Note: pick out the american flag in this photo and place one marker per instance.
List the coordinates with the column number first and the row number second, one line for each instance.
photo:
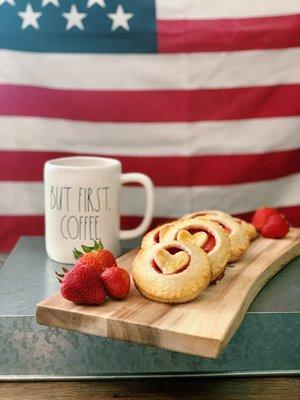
column 203, row 96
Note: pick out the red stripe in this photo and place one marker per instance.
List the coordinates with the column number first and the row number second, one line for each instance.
column 151, row 106
column 12, row 227
column 291, row 213
column 175, row 36
column 169, row 171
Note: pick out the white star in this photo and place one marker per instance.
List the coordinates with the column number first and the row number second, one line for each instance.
column 11, row 2
column 101, row 3
column 120, row 19
column 46, row 2
column 74, row 18
column 29, row 17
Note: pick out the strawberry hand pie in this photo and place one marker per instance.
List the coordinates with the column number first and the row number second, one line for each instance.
column 173, row 272
column 206, row 235
column 239, row 238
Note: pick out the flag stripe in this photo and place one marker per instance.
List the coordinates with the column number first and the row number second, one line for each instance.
column 32, row 225
column 12, row 227
column 151, row 106
column 189, row 36
column 206, row 9
column 26, row 198
column 137, row 139
column 239, row 69
column 213, row 118
column 291, row 213
column 207, row 170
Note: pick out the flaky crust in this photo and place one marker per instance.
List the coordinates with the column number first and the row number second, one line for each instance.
column 249, row 228
column 171, row 288
column 202, row 213
column 149, row 238
column 218, row 256
column 239, row 239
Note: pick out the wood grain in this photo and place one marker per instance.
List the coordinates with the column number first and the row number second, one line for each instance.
column 202, row 327
column 274, row 388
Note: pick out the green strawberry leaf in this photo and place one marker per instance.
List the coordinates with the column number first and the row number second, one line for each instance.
column 99, row 245
column 87, row 249
column 96, row 245
column 77, row 254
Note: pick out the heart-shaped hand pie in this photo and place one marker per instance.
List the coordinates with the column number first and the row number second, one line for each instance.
column 171, row 263
column 198, row 238
column 173, row 272
column 206, row 235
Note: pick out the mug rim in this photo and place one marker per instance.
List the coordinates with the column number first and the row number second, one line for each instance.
column 104, row 162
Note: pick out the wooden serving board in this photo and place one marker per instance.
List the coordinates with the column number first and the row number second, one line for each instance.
column 202, row 327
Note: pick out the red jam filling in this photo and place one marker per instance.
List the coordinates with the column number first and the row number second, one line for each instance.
column 156, row 267
column 173, row 250
column 156, row 237
column 210, row 242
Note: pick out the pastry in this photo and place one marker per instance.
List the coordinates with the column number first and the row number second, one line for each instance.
column 249, row 228
column 171, row 272
column 205, row 234
column 153, row 236
column 201, row 213
column 239, row 239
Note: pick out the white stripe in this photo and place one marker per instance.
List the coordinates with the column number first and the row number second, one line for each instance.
column 210, row 9
column 26, row 198
column 158, row 139
column 151, row 71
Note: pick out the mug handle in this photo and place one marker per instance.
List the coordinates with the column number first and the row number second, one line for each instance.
column 145, row 181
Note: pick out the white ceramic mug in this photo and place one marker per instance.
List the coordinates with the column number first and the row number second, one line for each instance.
column 82, row 196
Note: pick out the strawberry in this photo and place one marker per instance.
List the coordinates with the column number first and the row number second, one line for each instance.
column 96, row 256
column 261, row 216
column 276, row 227
column 83, row 285
column 116, row 281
